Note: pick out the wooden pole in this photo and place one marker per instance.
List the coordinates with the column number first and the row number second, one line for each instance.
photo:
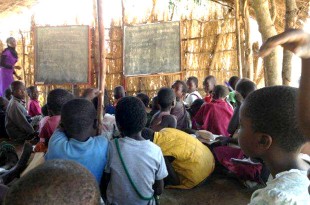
column 237, row 17
column 102, row 68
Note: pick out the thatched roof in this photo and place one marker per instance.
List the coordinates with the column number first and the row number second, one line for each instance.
column 14, row 6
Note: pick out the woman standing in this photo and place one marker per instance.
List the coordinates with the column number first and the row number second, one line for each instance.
column 7, row 64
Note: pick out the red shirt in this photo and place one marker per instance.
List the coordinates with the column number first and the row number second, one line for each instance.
column 34, row 108
column 208, row 98
column 215, row 117
column 49, row 127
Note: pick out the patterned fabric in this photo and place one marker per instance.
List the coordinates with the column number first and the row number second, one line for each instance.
column 289, row 187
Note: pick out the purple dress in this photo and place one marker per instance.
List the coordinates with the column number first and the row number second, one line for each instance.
column 8, row 60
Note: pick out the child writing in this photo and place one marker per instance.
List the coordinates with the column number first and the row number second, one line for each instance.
column 215, row 116
column 33, row 106
column 193, row 94
column 179, row 110
column 55, row 100
column 208, row 85
column 76, row 140
column 163, row 118
column 132, row 154
column 188, row 161
column 269, row 132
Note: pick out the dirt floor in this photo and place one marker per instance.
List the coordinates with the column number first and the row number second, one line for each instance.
column 217, row 189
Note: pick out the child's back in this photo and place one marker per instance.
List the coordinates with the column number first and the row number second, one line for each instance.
column 215, row 116
column 75, row 140
column 133, row 161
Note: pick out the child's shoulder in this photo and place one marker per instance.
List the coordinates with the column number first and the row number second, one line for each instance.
column 287, row 187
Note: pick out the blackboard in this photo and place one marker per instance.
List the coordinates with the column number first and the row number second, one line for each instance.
column 152, row 48
column 62, row 55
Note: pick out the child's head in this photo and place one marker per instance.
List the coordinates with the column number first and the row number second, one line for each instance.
column 195, row 106
column 56, row 99
column 245, row 87
column 44, row 110
column 180, row 89
column 155, row 104
column 166, row 99
column 192, row 84
column 8, row 94
column 130, row 116
column 209, row 84
column 18, row 90
column 32, row 92
column 233, row 81
column 144, row 98
column 79, row 119
column 3, row 103
column 119, row 92
column 220, row 92
column 269, row 123
column 55, row 182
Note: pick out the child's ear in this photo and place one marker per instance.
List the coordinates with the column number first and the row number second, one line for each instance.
column 264, row 141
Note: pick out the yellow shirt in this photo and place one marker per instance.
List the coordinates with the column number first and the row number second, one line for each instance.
column 193, row 162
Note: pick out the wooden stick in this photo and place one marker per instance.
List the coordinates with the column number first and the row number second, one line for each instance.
column 102, row 67
column 237, row 15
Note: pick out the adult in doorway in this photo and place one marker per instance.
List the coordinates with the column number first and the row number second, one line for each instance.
column 8, row 60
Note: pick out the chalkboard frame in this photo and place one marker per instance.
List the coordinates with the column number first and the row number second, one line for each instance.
column 89, row 77
column 153, row 74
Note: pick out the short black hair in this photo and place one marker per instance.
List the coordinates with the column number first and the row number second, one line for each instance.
column 8, row 93
column 44, row 110
column 119, row 92
column 16, row 85
column 194, row 79
column 272, row 110
column 220, row 91
column 166, row 97
column 245, row 87
column 155, row 104
column 180, row 82
column 148, row 134
column 233, row 81
column 209, row 78
column 57, row 98
column 144, row 98
column 78, row 117
column 196, row 105
column 61, row 182
column 31, row 89
column 130, row 115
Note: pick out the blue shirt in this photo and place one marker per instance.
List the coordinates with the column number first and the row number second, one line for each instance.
column 92, row 153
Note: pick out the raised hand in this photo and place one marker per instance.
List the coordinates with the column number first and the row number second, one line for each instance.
column 295, row 40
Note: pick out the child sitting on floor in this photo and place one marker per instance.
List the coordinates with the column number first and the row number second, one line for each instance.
column 188, row 161
column 244, row 88
column 215, row 116
column 208, row 85
column 269, row 132
column 33, row 106
column 3, row 104
column 154, row 109
column 119, row 92
column 17, row 122
column 55, row 182
column 179, row 110
column 76, row 140
column 136, row 166
column 163, row 118
column 195, row 107
column 55, row 100
column 193, row 94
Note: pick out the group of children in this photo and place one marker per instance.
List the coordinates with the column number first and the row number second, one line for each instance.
column 160, row 148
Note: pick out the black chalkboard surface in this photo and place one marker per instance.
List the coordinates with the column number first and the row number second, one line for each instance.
column 152, row 48
column 62, row 55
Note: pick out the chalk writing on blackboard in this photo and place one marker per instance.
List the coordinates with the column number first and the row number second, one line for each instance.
column 62, row 54
column 152, row 48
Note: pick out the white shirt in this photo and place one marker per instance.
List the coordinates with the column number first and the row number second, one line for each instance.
column 289, row 187
column 191, row 97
